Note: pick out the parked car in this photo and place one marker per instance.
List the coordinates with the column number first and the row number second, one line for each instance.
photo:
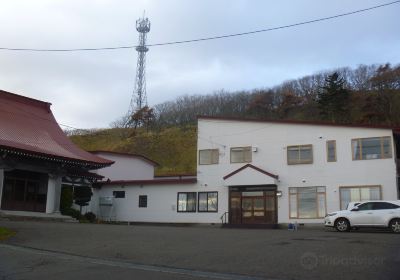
column 377, row 214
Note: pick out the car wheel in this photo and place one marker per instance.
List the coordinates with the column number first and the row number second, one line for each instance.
column 395, row 225
column 342, row 225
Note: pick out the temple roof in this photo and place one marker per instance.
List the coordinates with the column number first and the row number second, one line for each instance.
column 28, row 128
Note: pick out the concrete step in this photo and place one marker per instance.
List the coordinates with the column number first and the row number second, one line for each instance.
column 34, row 216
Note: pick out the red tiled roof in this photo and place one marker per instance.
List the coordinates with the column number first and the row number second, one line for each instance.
column 28, row 127
column 128, row 155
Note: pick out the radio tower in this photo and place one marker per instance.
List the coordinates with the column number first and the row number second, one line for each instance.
column 139, row 98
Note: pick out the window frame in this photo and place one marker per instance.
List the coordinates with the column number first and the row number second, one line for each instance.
column 186, row 211
column 211, row 156
column 381, row 155
column 139, row 201
column 244, row 149
column 327, row 151
column 318, row 216
column 115, row 196
column 359, row 188
column 299, row 160
column 198, row 202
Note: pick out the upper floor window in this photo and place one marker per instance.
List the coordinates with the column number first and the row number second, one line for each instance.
column 240, row 154
column 300, row 154
column 210, row 156
column 331, row 150
column 371, row 148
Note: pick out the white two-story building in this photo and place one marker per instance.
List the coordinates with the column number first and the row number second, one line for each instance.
column 259, row 173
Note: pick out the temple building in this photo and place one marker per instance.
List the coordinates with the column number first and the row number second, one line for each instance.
column 36, row 157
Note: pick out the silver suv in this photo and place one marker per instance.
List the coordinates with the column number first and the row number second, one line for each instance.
column 379, row 214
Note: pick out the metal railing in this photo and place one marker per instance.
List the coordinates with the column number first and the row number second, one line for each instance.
column 224, row 218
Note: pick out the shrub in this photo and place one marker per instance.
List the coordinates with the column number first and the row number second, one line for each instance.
column 91, row 217
column 73, row 213
column 66, row 199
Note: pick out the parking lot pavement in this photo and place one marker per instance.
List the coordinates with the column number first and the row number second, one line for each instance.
column 272, row 254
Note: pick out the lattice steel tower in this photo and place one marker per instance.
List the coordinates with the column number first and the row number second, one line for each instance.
column 139, row 98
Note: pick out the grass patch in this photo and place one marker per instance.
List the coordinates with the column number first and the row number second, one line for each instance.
column 5, row 233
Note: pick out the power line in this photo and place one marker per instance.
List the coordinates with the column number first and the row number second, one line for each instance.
column 205, row 38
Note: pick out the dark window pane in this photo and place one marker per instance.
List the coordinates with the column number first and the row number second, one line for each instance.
column 387, row 148
column 371, row 148
column 212, row 201
column 142, row 201
column 119, row 194
column 366, row 206
column 203, row 202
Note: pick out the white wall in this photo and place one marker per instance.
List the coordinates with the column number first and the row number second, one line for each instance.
column 53, row 194
column 126, row 168
column 161, row 204
column 272, row 140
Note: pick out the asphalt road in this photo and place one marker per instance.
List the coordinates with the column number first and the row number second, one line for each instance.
column 75, row 251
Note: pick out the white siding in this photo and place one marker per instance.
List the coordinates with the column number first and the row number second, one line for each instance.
column 126, row 168
column 271, row 140
column 161, row 204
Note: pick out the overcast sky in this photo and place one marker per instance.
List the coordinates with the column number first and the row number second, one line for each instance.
column 92, row 89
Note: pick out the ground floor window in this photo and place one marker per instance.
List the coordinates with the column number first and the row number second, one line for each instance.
column 186, row 202
column 358, row 193
column 119, row 194
column 208, row 202
column 307, row 202
column 142, row 201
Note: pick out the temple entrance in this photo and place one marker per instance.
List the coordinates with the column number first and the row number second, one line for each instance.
column 253, row 205
column 24, row 191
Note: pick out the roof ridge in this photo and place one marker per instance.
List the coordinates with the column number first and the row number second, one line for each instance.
column 23, row 99
column 297, row 122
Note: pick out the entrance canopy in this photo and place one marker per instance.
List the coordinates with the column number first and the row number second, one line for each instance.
column 250, row 175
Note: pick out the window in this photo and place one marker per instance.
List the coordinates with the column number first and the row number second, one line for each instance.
column 208, row 202
column 307, row 202
column 119, row 194
column 331, row 150
column 365, row 206
column 142, row 201
column 240, row 154
column 385, row 206
column 210, row 156
column 300, row 154
column 187, row 202
column 358, row 193
column 371, row 148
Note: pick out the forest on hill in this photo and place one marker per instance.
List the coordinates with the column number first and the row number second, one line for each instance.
column 368, row 94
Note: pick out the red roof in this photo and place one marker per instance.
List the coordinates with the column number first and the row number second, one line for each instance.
column 322, row 123
column 253, row 167
column 28, row 127
column 149, row 182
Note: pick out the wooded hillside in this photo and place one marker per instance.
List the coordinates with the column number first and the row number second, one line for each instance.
column 369, row 94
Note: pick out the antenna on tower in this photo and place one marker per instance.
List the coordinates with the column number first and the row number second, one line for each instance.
column 139, row 98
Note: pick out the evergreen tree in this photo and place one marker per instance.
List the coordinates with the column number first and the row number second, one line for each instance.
column 333, row 99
